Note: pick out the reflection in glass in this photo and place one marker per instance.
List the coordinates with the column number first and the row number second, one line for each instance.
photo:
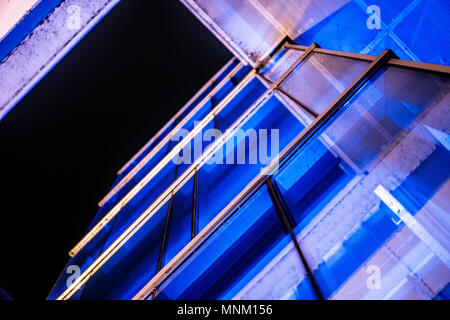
column 390, row 137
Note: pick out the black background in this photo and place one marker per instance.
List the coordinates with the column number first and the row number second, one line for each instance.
column 62, row 145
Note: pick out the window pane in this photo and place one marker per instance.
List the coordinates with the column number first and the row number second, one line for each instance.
column 238, row 77
column 237, row 106
column 245, row 25
column 201, row 113
column 280, row 63
column 141, row 201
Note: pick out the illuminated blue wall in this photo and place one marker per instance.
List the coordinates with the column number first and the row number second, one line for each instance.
column 414, row 29
column 361, row 193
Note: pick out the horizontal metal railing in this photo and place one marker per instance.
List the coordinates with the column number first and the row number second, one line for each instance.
column 385, row 59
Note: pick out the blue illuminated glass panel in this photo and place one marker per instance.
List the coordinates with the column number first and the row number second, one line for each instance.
column 239, row 161
column 199, row 115
column 223, row 120
column 345, row 30
column 280, row 63
column 237, row 106
column 180, row 222
column 141, row 201
column 239, row 76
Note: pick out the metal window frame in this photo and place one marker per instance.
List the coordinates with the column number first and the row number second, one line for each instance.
column 392, row 62
column 63, row 40
column 167, row 138
column 97, row 263
column 385, row 59
column 226, row 40
column 272, row 168
column 155, row 170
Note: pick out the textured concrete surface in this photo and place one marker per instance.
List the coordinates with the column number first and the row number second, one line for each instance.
column 11, row 12
column 408, row 267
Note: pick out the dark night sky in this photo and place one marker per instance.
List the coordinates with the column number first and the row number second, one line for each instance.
column 63, row 143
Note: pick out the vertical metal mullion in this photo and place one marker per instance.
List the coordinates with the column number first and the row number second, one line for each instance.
column 233, row 80
column 216, row 123
column 287, row 223
column 194, row 206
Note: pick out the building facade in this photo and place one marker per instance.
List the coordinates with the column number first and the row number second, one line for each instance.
column 296, row 172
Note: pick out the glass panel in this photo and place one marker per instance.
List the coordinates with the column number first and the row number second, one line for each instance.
column 249, row 257
column 164, row 150
column 141, row 173
column 226, row 71
column 298, row 17
column 81, row 261
column 141, row 201
column 227, row 87
column 146, row 151
column 242, row 157
column 239, row 76
column 236, row 107
column 132, row 266
column 280, row 63
column 180, row 222
column 206, row 108
column 319, row 79
column 223, row 120
column 112, row 230
column 369, row 193
column 154, row 188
